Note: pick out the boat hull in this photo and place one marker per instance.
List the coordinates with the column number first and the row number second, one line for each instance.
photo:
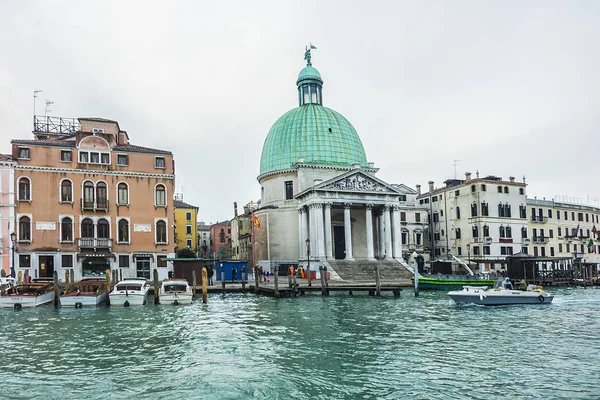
column 175, row 298
column 446, row 284
column 82, row 301
column 26, row 301
column 126, row 300
column 500, row 297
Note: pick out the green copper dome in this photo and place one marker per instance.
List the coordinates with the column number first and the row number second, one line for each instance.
column 309, row 72
column 318, row 134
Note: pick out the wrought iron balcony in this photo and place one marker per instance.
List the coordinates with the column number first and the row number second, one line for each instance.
column 94, row 243
column 539, row 218
column 98, row 205
column 540, row 239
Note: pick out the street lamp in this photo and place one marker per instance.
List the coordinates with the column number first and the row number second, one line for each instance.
column 13, row 238
column 469, row 254
column 308, row 260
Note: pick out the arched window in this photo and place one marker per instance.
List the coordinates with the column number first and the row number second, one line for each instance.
column 508, row 232
column 24, row 189
column 103, row 229
column 502, row 232
column 160, row 198
column 486, row 230
column 87, row 228
column 24, row 228
column 123, row 235
column 161, row 232
column 123, row 194
column 457, row 212
column 88, row 195
column 101, row 195
column 66, row 191
column 475, row 231
column 458, row 233
column 66, row 230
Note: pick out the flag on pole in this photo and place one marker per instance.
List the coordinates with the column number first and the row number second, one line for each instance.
column 591, row 246
column 576, row 231
column 594, row 230
column 256, row 221
column 312, row 46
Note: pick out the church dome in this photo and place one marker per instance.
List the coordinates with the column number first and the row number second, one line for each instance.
column 315, row 133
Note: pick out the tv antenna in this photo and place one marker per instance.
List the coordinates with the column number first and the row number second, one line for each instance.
column 48, row 104
column 35, row 92
column 455, row 164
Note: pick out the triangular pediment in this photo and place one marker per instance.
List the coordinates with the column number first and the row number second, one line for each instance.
column 356, row 181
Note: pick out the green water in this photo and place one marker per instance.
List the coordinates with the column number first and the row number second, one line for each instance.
column 313, row 347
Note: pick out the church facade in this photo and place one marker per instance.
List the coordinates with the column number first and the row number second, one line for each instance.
column 321, row 199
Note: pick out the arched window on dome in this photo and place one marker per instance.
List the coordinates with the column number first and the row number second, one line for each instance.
column 310, row 94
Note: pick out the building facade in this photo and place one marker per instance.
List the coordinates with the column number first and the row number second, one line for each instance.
column 220, row 240
column 241, row 233
column 7, row 211
column 320, row 197
column 478, row 220
column 204, row 249
column 88, row 200
column 186, row 216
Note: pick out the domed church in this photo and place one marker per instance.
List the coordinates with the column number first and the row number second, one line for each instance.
column 320, row 197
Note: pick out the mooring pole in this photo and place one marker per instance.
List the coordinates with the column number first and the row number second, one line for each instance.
column 321, row 273
column 243, row 270
column 107, row 288
column 19, row 278
column 276, row 281
column 156, row 299
column 194, row 283
column 222, row 279
column 66, row 280
column 55, row 288
column 416, row 273
column 326, row 282
column 256, row 280
column 204, row 285
column 377, row 282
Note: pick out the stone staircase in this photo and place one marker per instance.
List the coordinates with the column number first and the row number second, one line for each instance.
column 364, row 270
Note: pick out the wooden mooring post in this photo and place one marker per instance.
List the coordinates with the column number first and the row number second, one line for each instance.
column 377, row 282
column 276, row 281
column 156, row 288
column 107, row 288
column 322, row 274
column 194, row 284
column 243, row 271
column 20, row 278
column 72, row 275
column 223, row 279
column 66, row 280
column 416, row 274
column 326, row 281
column 204, row 285
column 55, row 275
column 26, row 276
column 256, row 279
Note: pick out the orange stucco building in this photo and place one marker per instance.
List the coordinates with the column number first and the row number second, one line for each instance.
column 89, row 200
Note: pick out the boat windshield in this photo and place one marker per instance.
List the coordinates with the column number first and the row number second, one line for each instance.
column 129, row 286
column 179, row 287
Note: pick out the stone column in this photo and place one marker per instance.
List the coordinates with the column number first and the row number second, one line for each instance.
column 369, row 219
column 381, row 235
column 312, row 215
column 304, row 230
column 320, row 231
column 301, row 230
column 397, row 238
column 388, row 231
column 348, row 231
column 328, row 239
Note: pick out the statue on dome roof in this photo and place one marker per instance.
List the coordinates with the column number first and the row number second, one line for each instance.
column 307, row 55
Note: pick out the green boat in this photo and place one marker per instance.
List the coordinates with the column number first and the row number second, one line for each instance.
column 453, row 282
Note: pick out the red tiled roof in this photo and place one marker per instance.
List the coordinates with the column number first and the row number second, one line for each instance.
column 5, row 157
column 181, row 204
column 139, row 149
column 45, row 142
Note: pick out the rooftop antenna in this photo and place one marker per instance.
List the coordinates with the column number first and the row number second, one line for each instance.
column 48, row 104
column 35, row 92
column 455, row 164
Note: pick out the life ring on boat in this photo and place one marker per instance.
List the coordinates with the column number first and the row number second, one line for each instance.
column 126, row 304
column 18, row 306
column 541, row 298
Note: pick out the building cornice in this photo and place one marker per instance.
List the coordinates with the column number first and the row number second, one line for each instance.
column 299, row 165
column 96, row 172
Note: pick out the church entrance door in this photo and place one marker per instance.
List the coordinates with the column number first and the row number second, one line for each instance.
column 339, row 242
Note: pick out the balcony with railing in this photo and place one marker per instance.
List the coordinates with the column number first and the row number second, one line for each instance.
column 539, row 218
column 94, row 243
column 98, row 205
column 541, row 239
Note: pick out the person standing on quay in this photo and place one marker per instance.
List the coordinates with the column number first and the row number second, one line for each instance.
column 233, row 274
column 210, row 276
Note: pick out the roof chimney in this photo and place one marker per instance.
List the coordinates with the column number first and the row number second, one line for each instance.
column 235, row 214
column 467, row 176
column 524, row 179
column 431, row 186
column 511, row 178
column 418, row 190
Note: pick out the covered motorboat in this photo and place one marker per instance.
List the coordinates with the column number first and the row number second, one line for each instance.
column 27, row 295
column 499, row 296
column 88, row 292
column 175, row 291
column 130, row 292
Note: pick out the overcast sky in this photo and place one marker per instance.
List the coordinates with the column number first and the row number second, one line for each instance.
column 506, row 87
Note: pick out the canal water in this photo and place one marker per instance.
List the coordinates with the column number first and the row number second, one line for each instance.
column 337, row 347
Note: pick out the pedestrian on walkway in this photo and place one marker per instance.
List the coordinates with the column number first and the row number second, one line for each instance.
column 210, row 276
column 233, row 274
column 268, row 276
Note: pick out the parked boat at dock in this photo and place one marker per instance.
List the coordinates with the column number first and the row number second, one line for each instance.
column 84, row 293
column 453, row 282
column 498, row 296
column 175, row 291
column 129, row 292
column 31, row 294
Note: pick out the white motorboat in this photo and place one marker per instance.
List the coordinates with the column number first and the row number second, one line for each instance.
column 499, row 296
column 27, row 295
column 88, row 292
column 175, row 291
column 6, row 283
column 129, row 292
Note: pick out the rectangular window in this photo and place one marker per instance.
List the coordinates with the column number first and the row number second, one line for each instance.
column 159, row 162
column 189, row 243
column 188, row 216
column 560, row 247
column 124, row 261
column 83, row 156
column 551, row 251
column 65, row 155
column 459, row 251
column 94, row 158
column 549, row 213
column 417, row 217
column 161, row 261
column 24, row 153
column 486, row 250
column 522, row 212
column 551, row 233
column 402, row 197
column 289, row 190
column 566, row 216
column 580, row 217
column 476, row 250
column 438, row 252
column 418, row 238
column 568, row 248
column 402, row 216
column 67, row 261
column 122, row 159
column 524, row 250
column 484, row 209
column 543, row 249
column 104, row 158
column 558, row 215
column 404, row 237
column 436, row 217
column 188, row 229
column 457, row 193
column 436, row 236
column 24, row 261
